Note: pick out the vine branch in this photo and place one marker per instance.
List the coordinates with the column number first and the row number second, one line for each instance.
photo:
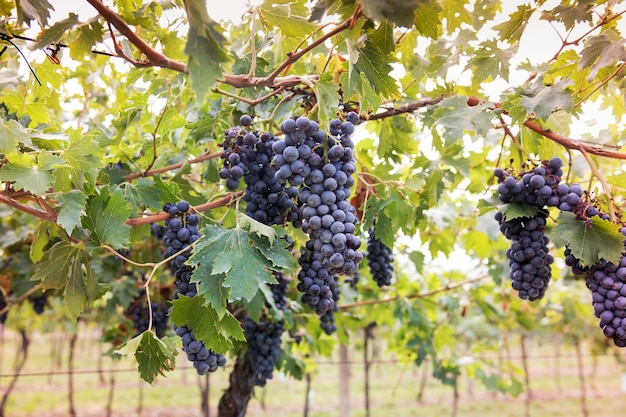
column 224, row 201
column 445, row 288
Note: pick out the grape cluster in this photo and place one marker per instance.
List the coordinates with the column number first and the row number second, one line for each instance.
column 322, row 166
column 379, row 260
column 39, row 302
column 181, row 231
column 607, row 282
column 3, row 304
column 541, row 186
column 248, row 155
column 353, row 279
column 529, row 257
column 264, row 336
column 327, row 320
column 139, row 314
column 264, row 339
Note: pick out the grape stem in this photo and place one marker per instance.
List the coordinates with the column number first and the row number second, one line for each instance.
column 603, row 181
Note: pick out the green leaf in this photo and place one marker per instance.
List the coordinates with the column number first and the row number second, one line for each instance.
column 327, row 97
column 84, row 159
column 32, row 179
column 142, row 194
column 491, row 61
column 580, row 12
column 205, row 48
column 72, row 208
column 154, row 356
column 518, row 210
column 375, row 65
column 427, row 21
column 602, row 51
column 541, row 101
column 589, row 243
column 38, row 10
column 282, row 18
column 40, row 240
column 400, row 12
column 67, row 266
column 455, row 13
column 12, row 134
column 106, row 217
column 216, row 333
column 511, row 29
column 54, row 33
column 243, row 259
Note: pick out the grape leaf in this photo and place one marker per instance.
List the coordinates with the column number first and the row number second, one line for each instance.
column 142, row 194
column 38, row 10
column 327, row 97
column 571, row 15
column 216, row 333
column 602, row 51
column 511, row 29
column 282, row 18
column 243, row 259
column 427, row 21
column 84, row 159
column 31, row 179
column 205, row 48
column 589, row 243
column 375, row 65
column 11, row 134
column 154, row 356
column 518, row 210
column 400, row 12
column 53, row 34
column 106, row 217
column 72, row 208
column 541, row 101
column 66, row 265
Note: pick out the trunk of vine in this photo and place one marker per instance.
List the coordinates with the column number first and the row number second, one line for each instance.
column 70, row 375
column 234, row 401
column 422, row 386
column 204, row 394
column 529, row 392
column 307, row 398
column 344, row 382
column 20, row 360
column 581, row 377
column 111, row 392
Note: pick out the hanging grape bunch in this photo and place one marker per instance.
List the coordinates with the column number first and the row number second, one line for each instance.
column 248, row 155
column 264, row 336
column 39, row 302
column 379, row 260
column 137, row 311
column 540, row 187
column 181, row 231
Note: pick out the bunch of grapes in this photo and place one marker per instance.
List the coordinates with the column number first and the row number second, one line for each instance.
column 139, row 314
column 182, row 231
column 528, row 255
column 540, row 186
column 3, row 304
column 321, row 166
column 39, row 302
column 379, row 260
column 264, row 336
column 327, row 320
column 248, row 155
column 353, row 279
